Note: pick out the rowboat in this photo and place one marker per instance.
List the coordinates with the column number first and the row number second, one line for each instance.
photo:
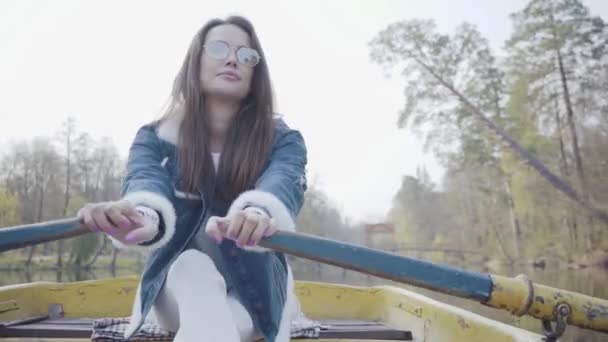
column 345, row 313
column 65, row 311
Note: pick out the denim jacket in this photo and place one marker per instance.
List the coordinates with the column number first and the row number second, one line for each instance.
column 261, row 277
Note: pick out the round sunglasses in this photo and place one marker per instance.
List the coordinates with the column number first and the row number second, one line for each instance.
column 220, row 50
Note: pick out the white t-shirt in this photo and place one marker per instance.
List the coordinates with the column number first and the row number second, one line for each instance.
column 216, row 159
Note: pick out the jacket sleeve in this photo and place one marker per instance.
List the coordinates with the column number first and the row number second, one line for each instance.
column 147, row 183
column 280, row 189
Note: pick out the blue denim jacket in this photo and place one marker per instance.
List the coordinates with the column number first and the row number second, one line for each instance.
column 261, row 277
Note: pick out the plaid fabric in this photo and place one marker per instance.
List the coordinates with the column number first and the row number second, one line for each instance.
column 113, row 329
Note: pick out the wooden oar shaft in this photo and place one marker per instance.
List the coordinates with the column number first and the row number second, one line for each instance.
column 516, row 295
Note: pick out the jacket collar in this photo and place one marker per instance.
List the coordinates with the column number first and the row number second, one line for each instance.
column 168, row 128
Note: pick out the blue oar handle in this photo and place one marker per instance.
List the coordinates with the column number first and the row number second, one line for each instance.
column 382, row 264
column 385, row 265
column 36, row 233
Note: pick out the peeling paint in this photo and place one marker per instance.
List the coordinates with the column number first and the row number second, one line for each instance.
column 593, row 312
column 303, row 292
column 427, row 329
column 8, row 305
column 416, row 311
column 463, row 324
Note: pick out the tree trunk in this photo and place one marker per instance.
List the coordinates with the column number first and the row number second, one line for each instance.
column 578, row 161
column 569, row 218
column 39, row 215
column 30, row 255
column 515, row 224
column 59, row 254
column 114, row 256
column 98, row 252
column 563, row 162
column 66, row 197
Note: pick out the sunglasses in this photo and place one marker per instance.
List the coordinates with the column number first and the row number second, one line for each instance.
column 220, row 50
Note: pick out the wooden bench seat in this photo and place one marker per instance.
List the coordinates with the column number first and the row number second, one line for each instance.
column 82, row 328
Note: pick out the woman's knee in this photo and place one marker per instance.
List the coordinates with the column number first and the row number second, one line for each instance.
column 194, row 267
column 166, row 310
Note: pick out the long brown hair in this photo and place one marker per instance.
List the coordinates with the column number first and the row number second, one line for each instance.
column 249, row 138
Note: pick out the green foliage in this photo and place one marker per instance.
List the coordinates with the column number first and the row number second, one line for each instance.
column 9, row 209
column 490, row 199
column 463, row 60
column 83, row 248
column 39, row 181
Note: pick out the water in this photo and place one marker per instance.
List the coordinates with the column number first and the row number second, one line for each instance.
column 589, row 281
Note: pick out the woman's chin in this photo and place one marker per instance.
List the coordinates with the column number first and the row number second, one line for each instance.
column 227, row 93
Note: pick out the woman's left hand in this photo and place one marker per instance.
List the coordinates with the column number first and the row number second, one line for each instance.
column 246, row 227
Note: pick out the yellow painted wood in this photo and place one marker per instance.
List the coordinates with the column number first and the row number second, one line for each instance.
column 513, row 294
column 429, row 320
column 9, row 305
column 97, row 298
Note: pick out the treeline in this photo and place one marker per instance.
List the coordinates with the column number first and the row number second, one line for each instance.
column 546, row 89
column 51, row 177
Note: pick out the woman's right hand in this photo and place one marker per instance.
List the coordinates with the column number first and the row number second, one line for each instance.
column 119, row 219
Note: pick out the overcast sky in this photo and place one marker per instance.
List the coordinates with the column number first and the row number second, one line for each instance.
column 110, row 64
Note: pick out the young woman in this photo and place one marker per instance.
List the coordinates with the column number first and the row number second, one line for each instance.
column 204, row 185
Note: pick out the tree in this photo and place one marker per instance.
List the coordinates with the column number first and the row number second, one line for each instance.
column 67, row 137
column 41, row 180
column 439, row 72
column 560, row 48
column 461, row 61
column 320, row 217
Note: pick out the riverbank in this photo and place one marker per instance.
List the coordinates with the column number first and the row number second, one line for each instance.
column 15, row 262
column 598, row 260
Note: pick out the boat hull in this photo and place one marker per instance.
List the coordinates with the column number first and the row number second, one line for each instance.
column 427, row 319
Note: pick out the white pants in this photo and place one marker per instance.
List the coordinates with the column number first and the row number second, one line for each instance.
column 194, row 303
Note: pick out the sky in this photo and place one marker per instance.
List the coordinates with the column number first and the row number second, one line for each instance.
column 110, row 65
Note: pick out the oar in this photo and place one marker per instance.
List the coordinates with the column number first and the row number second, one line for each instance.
column 518, row 295
column 36, row 233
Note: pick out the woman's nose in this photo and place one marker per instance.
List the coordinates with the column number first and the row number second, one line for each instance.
column 231, row 59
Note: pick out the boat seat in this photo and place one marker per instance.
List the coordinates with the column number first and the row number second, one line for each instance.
column 83, row 327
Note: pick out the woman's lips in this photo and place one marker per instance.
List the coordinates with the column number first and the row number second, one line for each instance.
column 230, row 76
